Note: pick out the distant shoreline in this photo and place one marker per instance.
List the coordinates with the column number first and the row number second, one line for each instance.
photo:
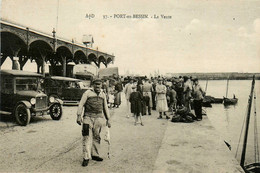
column 218, row 76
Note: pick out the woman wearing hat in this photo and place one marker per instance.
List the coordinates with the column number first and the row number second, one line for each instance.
column 161, row 101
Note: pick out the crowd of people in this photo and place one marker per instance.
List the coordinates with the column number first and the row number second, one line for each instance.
column 113, row 88
column 166, row 96
column 176, row 96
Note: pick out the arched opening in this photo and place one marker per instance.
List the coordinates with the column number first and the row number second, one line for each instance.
column 80, row 58
column 101, row 60
column 11, row 45
column 59, row 62
column 109, row 60
column 93, row 58
column 40, row 52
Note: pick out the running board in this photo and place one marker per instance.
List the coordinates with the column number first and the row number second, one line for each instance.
column 5, row 113
column 70, row 103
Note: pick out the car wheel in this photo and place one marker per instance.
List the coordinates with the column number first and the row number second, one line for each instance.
column 56, row 111
column 22, row 115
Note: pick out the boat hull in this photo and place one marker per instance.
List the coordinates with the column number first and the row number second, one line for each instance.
column 211, row 99
column 252, row 168
column 217, row 100
column 206, row 104
column 229, row 101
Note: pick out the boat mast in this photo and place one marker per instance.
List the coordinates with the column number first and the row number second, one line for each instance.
column 227, row 87
column 206, row 86
column 242, row 161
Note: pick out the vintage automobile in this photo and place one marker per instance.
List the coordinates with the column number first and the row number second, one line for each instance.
column 21, row 95
column 69, row 90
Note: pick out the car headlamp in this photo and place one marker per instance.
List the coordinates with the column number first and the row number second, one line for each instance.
column 51, row 99
column 33, row 101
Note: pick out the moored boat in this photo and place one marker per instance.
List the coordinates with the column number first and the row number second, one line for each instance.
column 217, row 100
column 230, row 101
column 255, row 166
column 212, row 99
column 252, row 168
column 206, row 104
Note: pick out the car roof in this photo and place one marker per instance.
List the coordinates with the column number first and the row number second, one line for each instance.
column 19, row 73
column 62, row 78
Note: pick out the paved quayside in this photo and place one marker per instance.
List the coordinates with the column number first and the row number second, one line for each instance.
column 159, row 146
column 194, row 148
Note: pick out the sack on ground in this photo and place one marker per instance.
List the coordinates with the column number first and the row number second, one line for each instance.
column 186, row 118
column 176, row 118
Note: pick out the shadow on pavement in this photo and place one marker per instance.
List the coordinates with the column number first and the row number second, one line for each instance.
column 9, row 120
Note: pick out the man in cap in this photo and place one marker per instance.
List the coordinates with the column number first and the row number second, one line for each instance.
column 93, row 107
column 187, row 89
column 198, row 95
column 154, row 93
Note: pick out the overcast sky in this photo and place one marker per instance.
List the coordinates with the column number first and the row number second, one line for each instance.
column 201, row 36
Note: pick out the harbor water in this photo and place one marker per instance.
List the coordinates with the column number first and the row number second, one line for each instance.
column 229, row 120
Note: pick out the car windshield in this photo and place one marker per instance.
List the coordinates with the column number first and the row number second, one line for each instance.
column 26, row 84
column 83, row 85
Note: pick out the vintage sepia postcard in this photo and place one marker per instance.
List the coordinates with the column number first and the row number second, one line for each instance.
column 130, row 86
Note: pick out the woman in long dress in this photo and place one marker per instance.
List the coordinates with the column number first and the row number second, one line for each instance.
column 136, row 99
column 161, row 105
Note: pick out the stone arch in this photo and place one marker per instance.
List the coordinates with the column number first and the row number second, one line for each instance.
column 80, row 57
column 109, row 60
column 101, row 59
column 62, row 57
column 11, row 43
column 63, row 53
column 39, row 39
column 93, row 58
column 39, row 48
column 41, row 52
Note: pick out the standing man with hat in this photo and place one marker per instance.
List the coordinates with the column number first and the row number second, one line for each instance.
column 187, row 89
column 154, row 93
column 94, row 105
column 198, row 95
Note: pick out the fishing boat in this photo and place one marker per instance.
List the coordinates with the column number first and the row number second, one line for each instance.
column 211, row 99
column 229, row 101
column 217, row 100
column 206, row 102
column 252, row 167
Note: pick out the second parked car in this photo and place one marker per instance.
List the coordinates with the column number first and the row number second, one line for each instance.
column 69, row 90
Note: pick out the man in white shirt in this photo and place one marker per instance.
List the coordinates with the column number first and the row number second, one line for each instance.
column 128, row 90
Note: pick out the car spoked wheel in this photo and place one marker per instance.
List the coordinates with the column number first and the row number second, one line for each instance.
column 22, row 115
column 56, row 111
